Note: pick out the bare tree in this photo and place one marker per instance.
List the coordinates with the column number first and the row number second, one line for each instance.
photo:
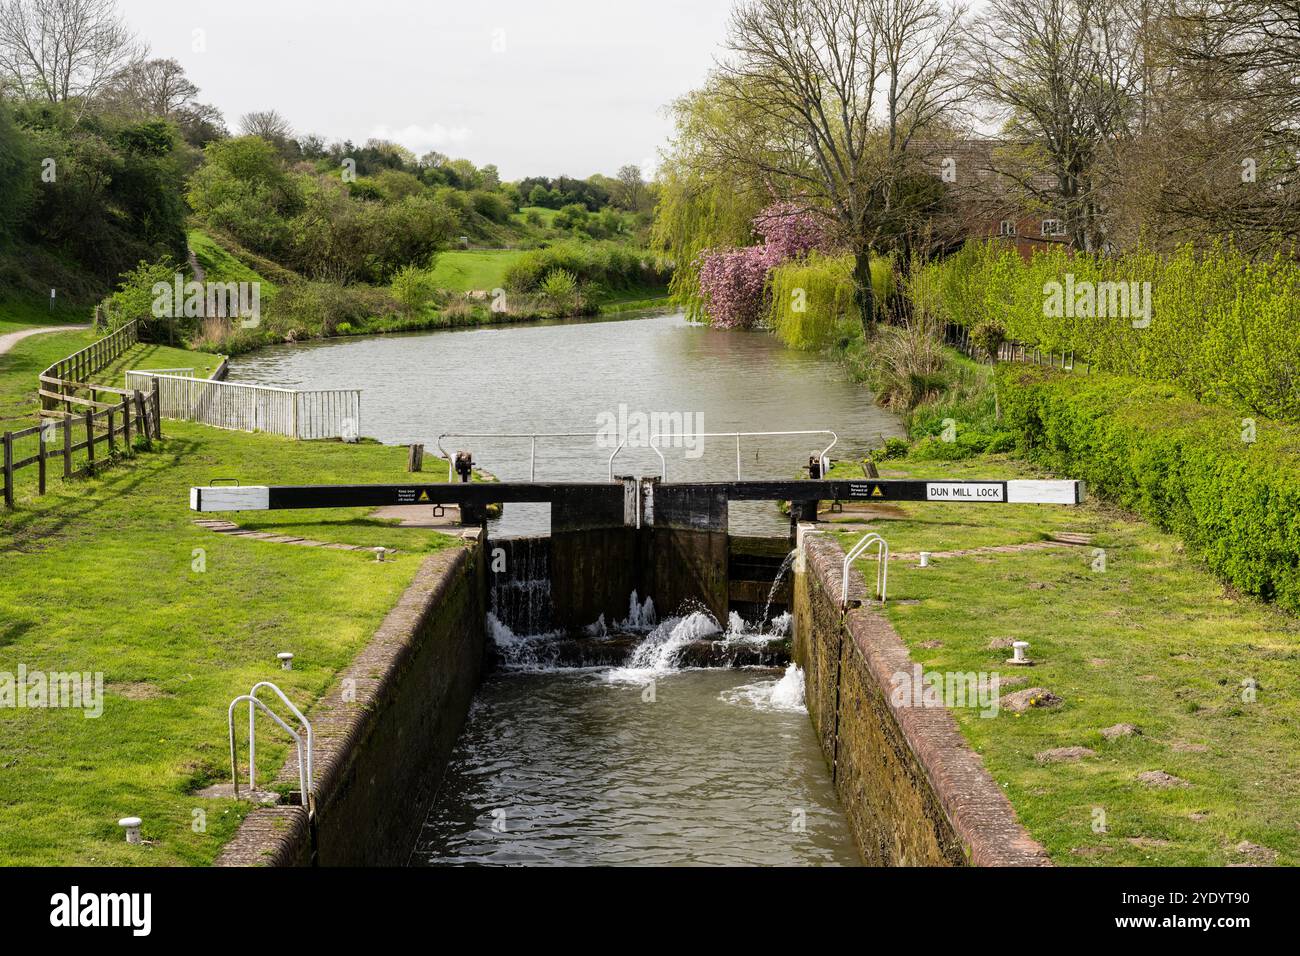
column 59, row 50
column 1062, row 78
column 825, row 99
column 1228, row 130
column 268, row 124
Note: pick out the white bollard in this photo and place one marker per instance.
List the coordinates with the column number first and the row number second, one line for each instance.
column 286, row 660
column 132, row 827
column 925, row 558
column 1018, row 649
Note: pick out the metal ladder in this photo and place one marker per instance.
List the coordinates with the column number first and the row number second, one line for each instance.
column 306, row 777
column 882, row 569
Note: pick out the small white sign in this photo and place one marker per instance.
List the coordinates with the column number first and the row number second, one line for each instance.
column 963, row 491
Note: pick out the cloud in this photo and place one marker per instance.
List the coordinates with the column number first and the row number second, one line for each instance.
column 420, row 139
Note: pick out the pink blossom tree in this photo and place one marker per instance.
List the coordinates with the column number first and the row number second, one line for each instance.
column 733, row 282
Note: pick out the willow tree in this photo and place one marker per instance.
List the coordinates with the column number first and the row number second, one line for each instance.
column 824, row 103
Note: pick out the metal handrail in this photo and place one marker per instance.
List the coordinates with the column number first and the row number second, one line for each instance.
column 533, row 436
column 663, row 464
column 882, row 567
column 311, row 778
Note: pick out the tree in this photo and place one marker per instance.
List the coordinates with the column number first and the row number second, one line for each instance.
column 268, row 124
column 822, row 101
column 160, row 88
column 57, row 50
column 629, row 190
column 1062, row 78
column 1219, row 151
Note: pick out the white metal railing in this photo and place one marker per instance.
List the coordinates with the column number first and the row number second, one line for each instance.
column 306, row 780
column 532, row 436
column 663, row 463
column 317, row 413
column 882, row 567
column 652, row 444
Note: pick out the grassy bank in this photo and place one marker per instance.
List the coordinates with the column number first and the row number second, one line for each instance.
column 1152, row 640
column 21, row 366
column 112, row 576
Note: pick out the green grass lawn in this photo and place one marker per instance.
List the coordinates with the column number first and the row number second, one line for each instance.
column 465, row 270
column 1153, row 640
column 111, row 575
column 21, row 365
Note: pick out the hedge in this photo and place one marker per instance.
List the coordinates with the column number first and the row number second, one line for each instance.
column 1182, row 465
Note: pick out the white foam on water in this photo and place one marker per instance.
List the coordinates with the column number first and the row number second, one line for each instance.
column 740, row 631
column 641, row 615
column 522, row 651
column 656, row 655
column 784, row 694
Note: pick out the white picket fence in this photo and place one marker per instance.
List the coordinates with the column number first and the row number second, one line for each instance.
column 316, row 413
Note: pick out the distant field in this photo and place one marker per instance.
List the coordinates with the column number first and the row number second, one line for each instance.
column 548, row 215
column 471, row 269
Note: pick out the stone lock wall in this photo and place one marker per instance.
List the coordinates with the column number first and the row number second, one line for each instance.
column 913, row 790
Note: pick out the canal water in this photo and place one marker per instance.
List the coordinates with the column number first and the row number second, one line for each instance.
column 649, row 763
column 578, row 376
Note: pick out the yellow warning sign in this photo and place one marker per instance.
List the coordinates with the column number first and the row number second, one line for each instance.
column 424, row 495
column 876, row 492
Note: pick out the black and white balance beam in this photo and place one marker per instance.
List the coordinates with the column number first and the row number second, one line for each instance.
column 278, row 497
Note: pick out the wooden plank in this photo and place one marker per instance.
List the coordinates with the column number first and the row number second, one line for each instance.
column 90, row 442
column 126, row 425
column 157, row 411
column 67, row 446
column 144, row 419
column 40, row 474
column 9, row 469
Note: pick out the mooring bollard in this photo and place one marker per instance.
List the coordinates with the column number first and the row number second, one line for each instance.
column 132, row 827
column 925, row 558
column 286, row 660
column 1018, row 649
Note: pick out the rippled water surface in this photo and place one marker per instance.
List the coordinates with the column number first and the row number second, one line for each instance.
column 569, row 768
column 563, row 377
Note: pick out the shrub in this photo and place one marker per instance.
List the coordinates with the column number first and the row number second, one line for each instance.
column 560, row 289
column 988, row 337
column 1183, row 465
column 909, row 366
column 611, row 265
column 306, row 309
column 135, row 294
column 414, row 288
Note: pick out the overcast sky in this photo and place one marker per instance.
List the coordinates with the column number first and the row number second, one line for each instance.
column 539, row 87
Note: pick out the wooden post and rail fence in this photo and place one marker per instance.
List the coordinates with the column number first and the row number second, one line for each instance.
column 87, row 414
column 58, row 439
